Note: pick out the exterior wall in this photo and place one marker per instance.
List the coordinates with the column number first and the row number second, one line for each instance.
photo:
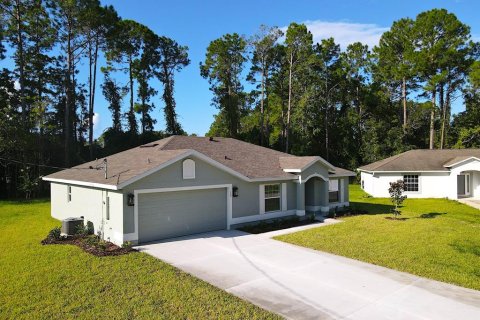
column 245, row 207
column 431, row 184
column 89, row 203
column 472, row 167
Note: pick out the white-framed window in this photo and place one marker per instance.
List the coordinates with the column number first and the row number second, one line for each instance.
column 188, row 169
column 333, row 193
column 272, row 197
column 69, row 193
column 410, row 182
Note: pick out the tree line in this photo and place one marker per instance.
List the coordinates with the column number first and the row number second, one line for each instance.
column 351, row 106
column 47, row 109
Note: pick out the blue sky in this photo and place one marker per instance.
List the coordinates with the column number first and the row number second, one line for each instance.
column 196, row 23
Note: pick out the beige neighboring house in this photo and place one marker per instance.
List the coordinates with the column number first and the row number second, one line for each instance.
column 185, row 185
column 447, row 173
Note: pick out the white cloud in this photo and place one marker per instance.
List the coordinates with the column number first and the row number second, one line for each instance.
column 16, row 85
column 96, row 119
column 345, row 32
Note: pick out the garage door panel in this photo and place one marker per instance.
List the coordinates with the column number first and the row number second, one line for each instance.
column 172, row 214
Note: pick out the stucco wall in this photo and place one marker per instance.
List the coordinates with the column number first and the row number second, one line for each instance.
column 89, row 203
column 246, row 204
column 431, row 185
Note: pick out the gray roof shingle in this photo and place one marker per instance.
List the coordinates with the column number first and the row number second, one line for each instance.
column 249, row 160
column 422, row 160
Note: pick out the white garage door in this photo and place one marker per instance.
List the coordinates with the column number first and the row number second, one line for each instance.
column 164, row 215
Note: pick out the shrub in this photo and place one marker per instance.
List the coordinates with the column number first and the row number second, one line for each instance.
column 55, row 233
column 83, row 230
column 127, row 245
column 91, row 241
column 396, row 195
column 102, row 245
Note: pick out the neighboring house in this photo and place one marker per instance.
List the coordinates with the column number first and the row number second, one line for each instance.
column 184, row 185
column 451, row 173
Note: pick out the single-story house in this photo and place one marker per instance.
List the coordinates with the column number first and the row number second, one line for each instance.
column 185, row 185
column 447, row 173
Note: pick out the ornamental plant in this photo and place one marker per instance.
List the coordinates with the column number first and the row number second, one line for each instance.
column 396, row 195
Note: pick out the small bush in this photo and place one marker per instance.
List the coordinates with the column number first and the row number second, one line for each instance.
column 127, row 245
column 91, row 241
column 83, row 230
column 55, row 233
column 102, row 245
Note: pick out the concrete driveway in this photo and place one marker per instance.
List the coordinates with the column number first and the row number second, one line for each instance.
column 300, row 283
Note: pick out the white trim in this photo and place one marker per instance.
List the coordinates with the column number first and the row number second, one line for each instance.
column 315, row 160
column 300, row 213
column 462, row 161
column 81, row 183
column 311, row 176
column 259, row 217
column 341, row 189
column 317, row 208
column 414, row 171
column 339, row 204
column 284, row 197
column 261, row 199
column 134, row 236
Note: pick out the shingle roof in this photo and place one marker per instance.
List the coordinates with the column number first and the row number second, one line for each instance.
column 248, row 160
column 422, row 160
column 340, row 172
column 296, row 162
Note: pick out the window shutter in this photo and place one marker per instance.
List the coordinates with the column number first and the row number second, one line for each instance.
column 262, row 198
column 284, row 197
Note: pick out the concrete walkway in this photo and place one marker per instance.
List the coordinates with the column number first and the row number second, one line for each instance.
column 475, row 203
column 300, row 283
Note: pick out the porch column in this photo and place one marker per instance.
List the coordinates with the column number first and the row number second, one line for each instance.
column 452, row 192
column 323, row 192
column 300, row 199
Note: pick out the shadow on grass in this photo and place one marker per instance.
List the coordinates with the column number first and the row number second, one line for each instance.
column 467, row 247
column 373, row 208
column 431, row 215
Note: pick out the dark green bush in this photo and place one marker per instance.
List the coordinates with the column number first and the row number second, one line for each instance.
column 55, row 233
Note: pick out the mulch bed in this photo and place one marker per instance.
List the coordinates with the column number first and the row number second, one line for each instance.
column 79, row 241
column 274, row 226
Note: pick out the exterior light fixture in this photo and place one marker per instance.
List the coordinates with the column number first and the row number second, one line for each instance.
column 130, row 199
column 8, row 179
column 235, row 192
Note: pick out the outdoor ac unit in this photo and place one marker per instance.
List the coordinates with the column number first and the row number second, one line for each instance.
column 70, row 226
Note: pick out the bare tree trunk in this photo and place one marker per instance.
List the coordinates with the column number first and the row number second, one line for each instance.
column 404, row 98
column 443, row 107
column 262, row 110
column 432, row 120
column 289, row 107
column 21, row 62
column 68, row 98
column 92, row 105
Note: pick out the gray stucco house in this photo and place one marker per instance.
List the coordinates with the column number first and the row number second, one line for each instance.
column 185, row 185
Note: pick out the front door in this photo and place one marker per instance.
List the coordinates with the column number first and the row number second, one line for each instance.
column 463, row 184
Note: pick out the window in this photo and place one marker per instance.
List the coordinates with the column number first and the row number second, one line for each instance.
column 188, row 169
column 272, row 197
column 333, row 190
column 69, row 193
column 107, row 208
column 411, row 182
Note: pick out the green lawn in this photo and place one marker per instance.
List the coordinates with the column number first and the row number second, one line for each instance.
column 63, row 282
column 440, row 239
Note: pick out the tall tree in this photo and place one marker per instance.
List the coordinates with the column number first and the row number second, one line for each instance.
column 298, row 44
column 171, row 57
column 223, row 65
column 395, row 63
column 264, row 61
column 114, row 93
column 125, row 47
column 440, row 38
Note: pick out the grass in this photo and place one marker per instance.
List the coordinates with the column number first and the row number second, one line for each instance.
column 63, row 282
column 438, row 238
